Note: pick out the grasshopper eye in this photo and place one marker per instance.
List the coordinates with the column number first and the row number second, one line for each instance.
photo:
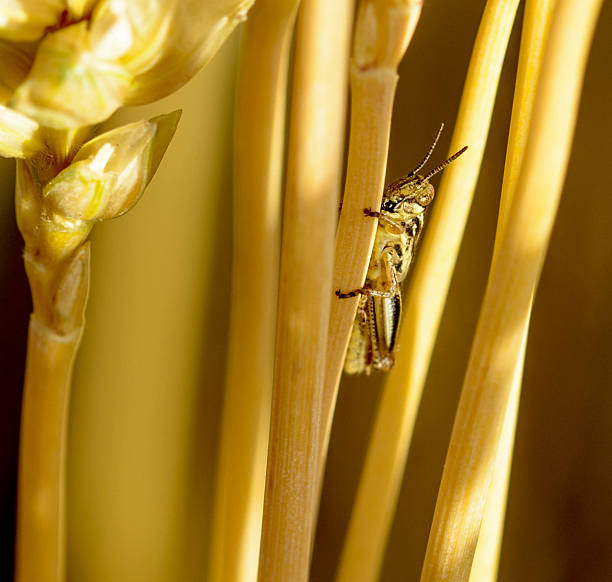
column 425, row 196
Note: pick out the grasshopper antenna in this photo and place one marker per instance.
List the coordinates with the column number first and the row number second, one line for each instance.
column 443, row 165
column 431, row 149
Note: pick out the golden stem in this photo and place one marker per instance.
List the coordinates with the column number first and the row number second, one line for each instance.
column 313, row 176
column 59, row 283
column 259, row 146
column 488, row 547
column 40, row 555
column 380, row 482
column 373, row 83
column 536, row 21
column 515, row 271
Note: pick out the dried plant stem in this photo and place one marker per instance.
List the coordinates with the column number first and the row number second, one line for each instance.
column 536, row 21
column 313, row 175
column 55, row 223
column 488, row 547
column 373, row 83
column 59, row 293
column 59, row 283
column 42, row 465
column 515, row 271
column 386, row 457
column 259, row 146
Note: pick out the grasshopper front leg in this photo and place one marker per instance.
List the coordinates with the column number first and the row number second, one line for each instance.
column 394, row 226
column 388, row 258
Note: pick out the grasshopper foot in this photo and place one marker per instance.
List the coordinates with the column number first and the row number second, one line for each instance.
column 348, row 294
column 371, row 213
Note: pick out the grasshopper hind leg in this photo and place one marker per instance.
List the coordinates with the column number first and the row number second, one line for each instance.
column 359, row 351
column 373, row 335
column 389, row 259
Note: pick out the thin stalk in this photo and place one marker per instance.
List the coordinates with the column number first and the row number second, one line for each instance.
column 515, row 271
column 56, row 327
column 41, row 544
column 386, row 457
column 313, row 176
column 389, row 28
column 55, row 228
column 488, row 547
column 258, row 162
column 536, row 22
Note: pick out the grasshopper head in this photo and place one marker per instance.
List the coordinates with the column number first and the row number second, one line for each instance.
column 413, row 193
column 410, row 194
column 421, row 192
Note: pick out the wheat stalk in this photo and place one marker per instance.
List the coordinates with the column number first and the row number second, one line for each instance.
column 313, row 175
column 44, row 426
column 81, row 62
column 536, row 21
column 504, row 316
column 259, row 149
column 386, row 457
column 383, row 33
column 56, row 209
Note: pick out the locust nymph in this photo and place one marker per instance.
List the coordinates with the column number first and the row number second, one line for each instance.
column 400, row 222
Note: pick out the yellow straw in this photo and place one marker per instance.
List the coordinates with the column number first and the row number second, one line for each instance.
column 53, row 342
column 388, row 27
column 259, row 147
column 386, row 457
column 536, row 21
column 514, row 275
column 41, row 543
column 316, row 147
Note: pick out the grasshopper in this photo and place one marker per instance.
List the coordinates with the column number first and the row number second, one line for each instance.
column 400, row 222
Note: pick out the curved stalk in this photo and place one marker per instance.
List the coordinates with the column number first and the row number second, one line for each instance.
column 373, row 82
column 515, row 272
column 536, row 22
column 383, row 470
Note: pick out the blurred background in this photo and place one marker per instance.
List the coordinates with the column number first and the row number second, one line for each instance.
column 149, row 379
